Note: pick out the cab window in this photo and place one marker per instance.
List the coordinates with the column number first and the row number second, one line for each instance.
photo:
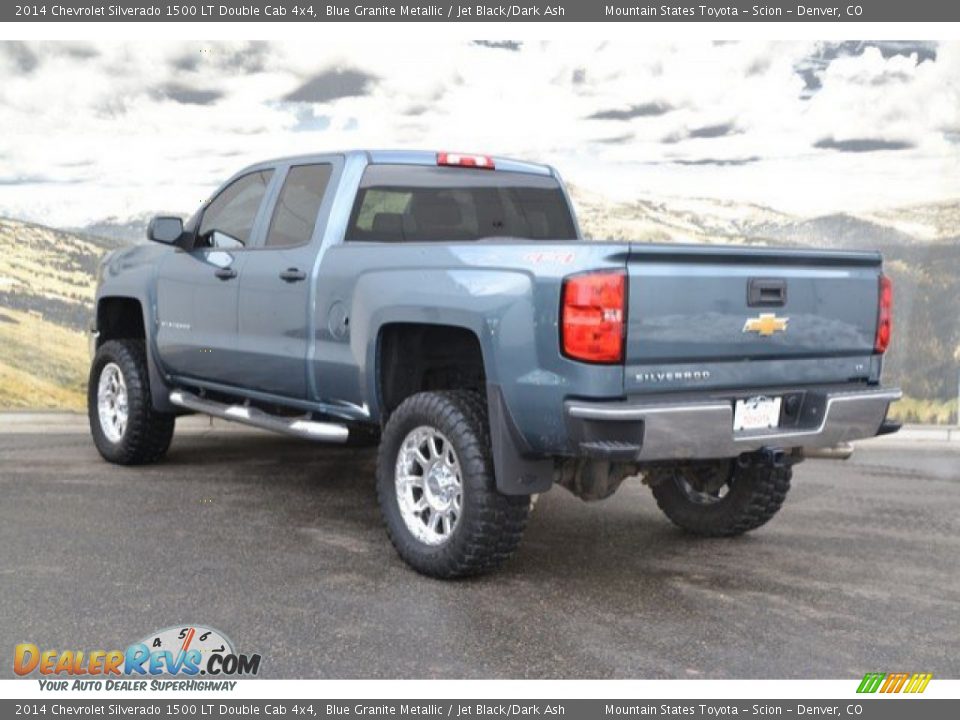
column 295, row 216
column 228, row 220
column 422, row 203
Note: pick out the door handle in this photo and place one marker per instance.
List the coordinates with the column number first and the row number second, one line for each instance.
column 226, row 273
column 293, row 275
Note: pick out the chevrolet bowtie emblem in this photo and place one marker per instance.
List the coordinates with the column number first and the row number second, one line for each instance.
column 766, row 325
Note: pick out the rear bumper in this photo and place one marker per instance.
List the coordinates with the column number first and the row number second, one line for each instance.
column 703, row 428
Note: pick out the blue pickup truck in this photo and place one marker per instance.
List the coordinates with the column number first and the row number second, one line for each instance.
column 446, row 307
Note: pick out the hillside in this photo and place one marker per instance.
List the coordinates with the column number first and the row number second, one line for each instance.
column 46, row 294
column 921, row 247
column 47, row 275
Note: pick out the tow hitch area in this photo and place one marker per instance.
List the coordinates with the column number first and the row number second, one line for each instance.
column 771, row 458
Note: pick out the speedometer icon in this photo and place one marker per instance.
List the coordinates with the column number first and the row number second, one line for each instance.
column 180, row 639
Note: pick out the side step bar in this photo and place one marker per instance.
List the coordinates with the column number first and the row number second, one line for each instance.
column 300, row 426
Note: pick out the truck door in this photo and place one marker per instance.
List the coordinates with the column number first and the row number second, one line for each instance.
column 197, row 288
column 275, row 289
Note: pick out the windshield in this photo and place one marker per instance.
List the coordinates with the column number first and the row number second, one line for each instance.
column 418, row 203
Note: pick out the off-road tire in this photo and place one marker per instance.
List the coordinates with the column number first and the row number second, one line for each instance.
column 491, row 524
column 756, row 492
column 148, row 433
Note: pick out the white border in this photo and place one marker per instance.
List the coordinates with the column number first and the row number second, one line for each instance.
column 371, row 32
column 396, row 31
column 369, row 691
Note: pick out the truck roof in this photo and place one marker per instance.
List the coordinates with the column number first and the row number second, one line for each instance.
column 410, row 157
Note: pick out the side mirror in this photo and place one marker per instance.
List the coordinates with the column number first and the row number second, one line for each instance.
column 165, row 229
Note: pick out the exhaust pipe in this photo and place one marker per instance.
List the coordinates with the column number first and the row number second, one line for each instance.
column 840, row 451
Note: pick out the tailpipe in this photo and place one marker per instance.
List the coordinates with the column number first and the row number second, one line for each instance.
column 840, row 451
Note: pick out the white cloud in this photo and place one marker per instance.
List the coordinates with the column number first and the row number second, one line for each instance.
column 120, row 129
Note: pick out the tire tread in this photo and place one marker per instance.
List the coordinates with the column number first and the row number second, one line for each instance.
column 149, row 433
column 491, row 530
column 760, row 496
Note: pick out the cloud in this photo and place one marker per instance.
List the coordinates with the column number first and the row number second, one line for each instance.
column 308, row 122
column 32, row 180
column 616, row 139
column 512, row 45
column 186, row 95
column 80, row 51
column 704, row 132
column 187, row 63
column 332, row 85
column 812, row 67
column 650, row 109
column 249, row 58
column 22, row 55
column 245, row 58
column 719, row 162
column 713, row 131
column 862, row 145
column 600, row 111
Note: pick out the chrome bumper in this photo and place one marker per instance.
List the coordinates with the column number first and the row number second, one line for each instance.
column 692, row 430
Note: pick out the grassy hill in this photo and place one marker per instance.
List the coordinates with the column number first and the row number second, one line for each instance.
column 46, row 294
column 921, row 247
column 47, row 280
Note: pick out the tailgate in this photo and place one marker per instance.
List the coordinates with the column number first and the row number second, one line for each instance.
column 781, row 316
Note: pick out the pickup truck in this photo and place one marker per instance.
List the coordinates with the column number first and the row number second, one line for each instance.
column 446, row 307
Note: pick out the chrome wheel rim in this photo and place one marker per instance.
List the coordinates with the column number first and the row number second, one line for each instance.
column 112, row 402
column 429, row 485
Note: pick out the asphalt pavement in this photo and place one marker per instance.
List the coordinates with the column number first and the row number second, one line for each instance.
column 278, row 544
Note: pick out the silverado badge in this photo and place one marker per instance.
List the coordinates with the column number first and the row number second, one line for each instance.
column 766, row 324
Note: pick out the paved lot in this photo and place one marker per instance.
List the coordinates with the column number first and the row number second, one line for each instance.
column 278, row 544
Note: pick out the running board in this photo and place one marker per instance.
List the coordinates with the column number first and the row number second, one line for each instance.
column 299, row 427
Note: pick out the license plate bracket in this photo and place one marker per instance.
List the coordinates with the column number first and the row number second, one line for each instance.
column 757, row 413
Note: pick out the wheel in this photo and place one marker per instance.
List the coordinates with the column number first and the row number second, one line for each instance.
column 722, row 498
column 125, row 427
column 436, row 487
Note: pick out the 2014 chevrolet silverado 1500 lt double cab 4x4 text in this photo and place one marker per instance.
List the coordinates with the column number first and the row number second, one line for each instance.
column 446, row 307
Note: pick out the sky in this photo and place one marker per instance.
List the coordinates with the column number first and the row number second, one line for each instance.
column 98, row 130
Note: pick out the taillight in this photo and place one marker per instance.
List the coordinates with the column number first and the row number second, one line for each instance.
column 484, row 162
column 593, row 312
column 884, row 316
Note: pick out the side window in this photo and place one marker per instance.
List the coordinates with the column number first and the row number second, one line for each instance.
column 228, row 219
column 380, row 214
column 296, row 213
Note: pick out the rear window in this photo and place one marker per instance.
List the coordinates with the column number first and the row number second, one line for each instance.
column 418, row 203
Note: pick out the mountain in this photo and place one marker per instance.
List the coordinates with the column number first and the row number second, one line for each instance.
column 126, row 230
column 46, row 295
column 672, row 219
column 920, row 244
column 47, row 279
column 708, row 220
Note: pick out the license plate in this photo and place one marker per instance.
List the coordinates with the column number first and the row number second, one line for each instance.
column 757, row 413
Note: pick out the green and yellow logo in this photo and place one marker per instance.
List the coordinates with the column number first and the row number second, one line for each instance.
column 894, row 682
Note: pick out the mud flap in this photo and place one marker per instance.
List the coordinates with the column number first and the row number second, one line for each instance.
column 516, row 474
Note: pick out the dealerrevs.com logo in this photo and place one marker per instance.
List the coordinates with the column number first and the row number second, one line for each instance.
column 186, row 651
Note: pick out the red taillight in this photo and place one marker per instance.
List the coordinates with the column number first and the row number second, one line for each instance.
column 593, row 312
column 884, row 316
column 484, row 162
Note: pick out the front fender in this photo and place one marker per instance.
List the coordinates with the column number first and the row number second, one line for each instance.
column 130, row 274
